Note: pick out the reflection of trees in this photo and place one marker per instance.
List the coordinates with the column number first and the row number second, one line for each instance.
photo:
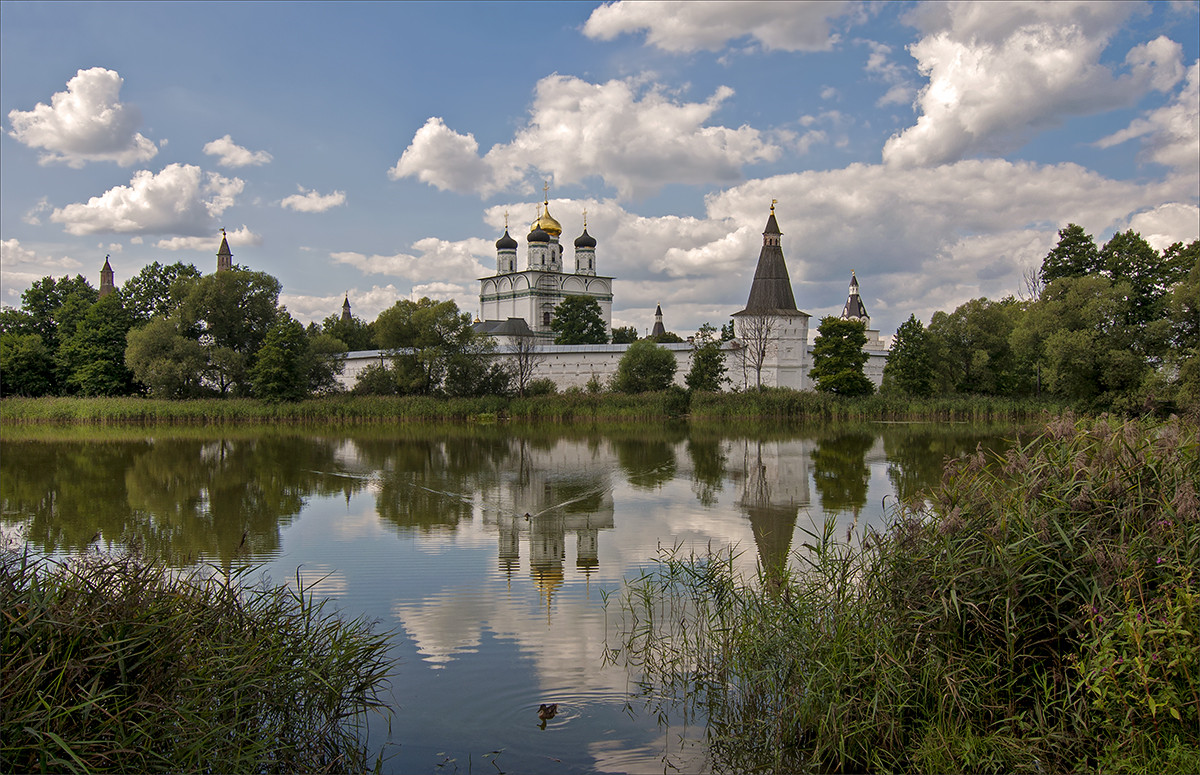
column 647, row 464
column 180, row 500
column 708, row 468
column 917, row 455
column 840, row 471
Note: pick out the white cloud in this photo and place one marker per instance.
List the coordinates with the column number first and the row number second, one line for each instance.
column 683, row 27
column 1172, row 132
column 85, row 123
column 434, row 259
column 180, row 199
column 210, row 243
column 364, row 304
column 20, row 266
column 33, row 216
column 233, row 155
column 312, row 202
column 1167, row 224
column 636, row 138
column 998, row 72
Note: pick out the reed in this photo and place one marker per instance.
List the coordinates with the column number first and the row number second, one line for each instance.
column 1036, row 612
column 115, row 664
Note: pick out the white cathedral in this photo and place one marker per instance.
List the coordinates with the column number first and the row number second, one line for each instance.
column 521, row 302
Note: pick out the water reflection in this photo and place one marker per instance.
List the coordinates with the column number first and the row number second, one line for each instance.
column 489, row 549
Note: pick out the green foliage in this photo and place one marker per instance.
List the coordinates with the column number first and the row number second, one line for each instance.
column 354, row 333
column 1035, row 612
column 1075, row 255
column 1128, row 258
column 55, row 306
column 157, row 290
column 375, row 379
column 430, row 335
column 168, row 364
column 838, row 358
column 93, row 357
column 624, row 335
column 667, row 337
column 707, row 371
column 971, row 347
column 727, row 332
column 26, row 365
column 577, row 320
column 114, row 664
column 645, row 366
column 279, row 370
column 541, row 387
column 909, row 368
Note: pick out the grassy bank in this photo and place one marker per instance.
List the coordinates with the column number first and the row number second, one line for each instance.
column 1038, row 613
column 770, row 404
column 118, row 665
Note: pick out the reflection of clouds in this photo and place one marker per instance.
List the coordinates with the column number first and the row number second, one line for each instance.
column 321, row 580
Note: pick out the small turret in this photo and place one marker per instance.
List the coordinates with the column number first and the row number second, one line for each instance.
column 106, row 279
column 855, row 309
column 659, row 328
column 585, row 251
column 346, row 309
column 224, row 257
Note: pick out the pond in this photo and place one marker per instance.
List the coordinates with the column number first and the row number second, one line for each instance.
column 489, row 551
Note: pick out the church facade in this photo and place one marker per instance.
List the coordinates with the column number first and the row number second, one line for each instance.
column 533, row 292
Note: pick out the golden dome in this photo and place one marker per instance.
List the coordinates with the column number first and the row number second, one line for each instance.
column 547, row 223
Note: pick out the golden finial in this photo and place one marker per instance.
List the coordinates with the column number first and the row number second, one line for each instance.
column 546, row 191
column 222, row 231
column 585, row 220
column 506, row 220
column 773, row 201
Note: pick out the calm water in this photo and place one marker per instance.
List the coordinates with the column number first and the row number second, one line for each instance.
column 488, row 551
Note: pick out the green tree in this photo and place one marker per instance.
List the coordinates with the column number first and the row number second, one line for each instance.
column 667, row 337
column 169, row 364
column 55, row 306
column 644, row 366
column 707, row 372
column 577, row 320
column 971, row 346
column 1075, row 255
column 838, row 358
column 158, row 290
column 230, row 313
column 324, row 359
column 1183, row 361
column 93, row 357
column 355, row 333
column 26, row 365
column 1127, row 257
column 279, row 369
column 427, row 336
column 624, row 335
column 909, row 367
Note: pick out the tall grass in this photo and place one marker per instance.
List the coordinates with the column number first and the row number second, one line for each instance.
column 114, row 664
column 571, row 406
column 1035, row 613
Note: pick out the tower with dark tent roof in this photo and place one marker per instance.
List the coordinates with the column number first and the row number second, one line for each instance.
column 854, row 309
column 533, row 293
column 224, row 256
column 106, row 279
column 773, row 332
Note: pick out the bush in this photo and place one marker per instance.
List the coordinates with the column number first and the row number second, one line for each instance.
column 541, row 387
column 644, row 367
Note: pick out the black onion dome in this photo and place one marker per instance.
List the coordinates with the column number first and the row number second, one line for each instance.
column 538, row 235
column 585, row 240
column 506, row 242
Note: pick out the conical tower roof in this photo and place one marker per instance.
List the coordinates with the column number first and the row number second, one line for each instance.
column 771, row 291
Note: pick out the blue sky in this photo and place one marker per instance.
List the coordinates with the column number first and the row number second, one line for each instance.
column 374, row 148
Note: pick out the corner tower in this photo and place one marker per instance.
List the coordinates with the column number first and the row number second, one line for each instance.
column 106, row 279
column 224, row 257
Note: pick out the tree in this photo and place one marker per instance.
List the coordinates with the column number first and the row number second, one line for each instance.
column 525, row 353
column 355, row 333
column 1075, row 255
column 55, row 306
column 169, row 364
column 577, row 320
column 324, row 359
column 1183, row 305
column 758, row 334
column 909, row 367
column 92, row 359
column 229, row 313
column 707, row 372
column 624, row 335
column 427, row 336
column 26, row 365
column 1128, row 257
column 667, row 337
column 158, row 290
column 279, row 369
column 971, row 345
column 645, row 366
column 838, row 358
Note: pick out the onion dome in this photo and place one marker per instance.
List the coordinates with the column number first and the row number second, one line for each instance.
column 585, row 240
column 506, row 242
column 538, row 234
column 547, row 223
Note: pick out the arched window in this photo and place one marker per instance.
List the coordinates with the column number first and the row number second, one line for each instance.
column 545, row 318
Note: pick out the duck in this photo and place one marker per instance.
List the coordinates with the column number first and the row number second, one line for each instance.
column 547, row 712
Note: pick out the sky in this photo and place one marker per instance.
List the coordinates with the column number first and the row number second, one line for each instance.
column 375, row 149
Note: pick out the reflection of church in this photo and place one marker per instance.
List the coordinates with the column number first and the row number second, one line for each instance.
column 773, row 488
column 543, row 499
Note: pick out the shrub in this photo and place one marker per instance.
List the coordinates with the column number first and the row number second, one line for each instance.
column 645, row 366
column 541, row 387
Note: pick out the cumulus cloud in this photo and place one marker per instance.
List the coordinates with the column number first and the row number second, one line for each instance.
column 634, row 137
column 230, row 154
column 1172, row 132
column 682, row 27
column 998, row 72
column 312, row 202
column 87, row 122
column 20, row 266
column 364, row 304
column 1167, row 224
column 432, row 260
column 181, row 199
column 210, row 243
